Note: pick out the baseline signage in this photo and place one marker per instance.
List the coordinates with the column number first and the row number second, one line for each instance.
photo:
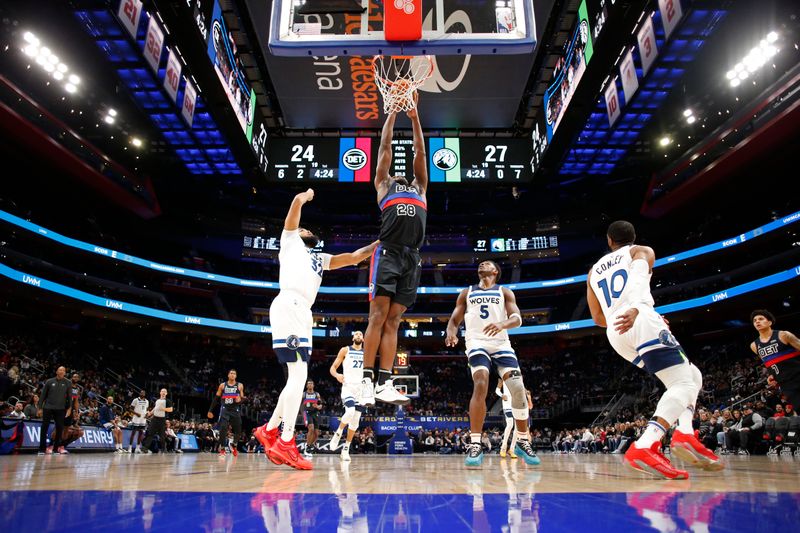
column 94, row 438
column 387, row 425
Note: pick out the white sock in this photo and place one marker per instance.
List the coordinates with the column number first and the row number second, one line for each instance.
column 296, row 382
column 275, row 419
column 475, row 438
column 522, row 435
column 346, row 446
column 652, row 434
column 685, row 422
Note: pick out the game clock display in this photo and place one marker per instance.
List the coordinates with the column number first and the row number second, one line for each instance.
column 353, row 159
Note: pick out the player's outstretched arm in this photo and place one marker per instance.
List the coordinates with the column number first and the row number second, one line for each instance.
column 514, row 319
column 594, row 304
column 352, row 258
column 334, row 370
column 456, row 319
column 292, row 221
column 215, row 401
column 420, row 157
column 384, row 156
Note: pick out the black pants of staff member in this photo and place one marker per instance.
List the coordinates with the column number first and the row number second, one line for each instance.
column 54, row 415
column 158, row 426
column 235, row 422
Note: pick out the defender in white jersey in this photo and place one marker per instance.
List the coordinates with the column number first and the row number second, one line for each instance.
column 351, row 359
column 291, row 321
column 138, row 423
column 618, row 294
column 489, row 310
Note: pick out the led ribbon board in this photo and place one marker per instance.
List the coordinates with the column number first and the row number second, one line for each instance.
column 208, row 276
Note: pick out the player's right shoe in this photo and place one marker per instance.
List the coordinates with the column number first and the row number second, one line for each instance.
column 345, row 456
column 474, row 456
column 503, row 454
column 388, row 394
column 652, row 461
column 334, row 443
column 687, row 448
column 286, row 453
column 525, row 450
column 367, row 393
column 222, row 452
column 266, row 437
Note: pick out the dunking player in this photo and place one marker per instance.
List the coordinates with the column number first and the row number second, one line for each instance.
column 779, row 350
column 396, row 266
column 489, row 310
column 312, row 405
column 351, row 359
column 291, row 320
column 231, row 393
column 138, row 423
column 505, row 398
column 618, row 292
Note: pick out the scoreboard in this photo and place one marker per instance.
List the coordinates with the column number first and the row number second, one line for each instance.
column 353, row 159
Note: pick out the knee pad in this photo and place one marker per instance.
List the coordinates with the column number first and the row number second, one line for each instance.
column 349, row 413
column 519, row 402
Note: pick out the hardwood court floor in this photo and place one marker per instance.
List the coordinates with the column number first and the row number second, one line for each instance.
column 379, row 493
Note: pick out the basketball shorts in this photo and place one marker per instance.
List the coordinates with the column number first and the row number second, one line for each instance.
column 137, row 426
column 108, row 426
column 649, row 344
column 488, row 353
column 395, row 271
column 291, row 322
column 351, row 394
column 311, row 418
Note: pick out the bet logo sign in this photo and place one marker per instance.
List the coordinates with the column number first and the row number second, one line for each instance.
column 354, row 159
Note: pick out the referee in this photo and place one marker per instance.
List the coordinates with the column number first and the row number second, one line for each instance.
column 55, row 405
column 158, row 422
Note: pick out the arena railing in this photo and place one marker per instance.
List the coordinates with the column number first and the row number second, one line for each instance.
column 273, row 285
column 116, row 305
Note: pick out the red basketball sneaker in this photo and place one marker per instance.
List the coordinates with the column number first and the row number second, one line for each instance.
column 286, row 453
column 687, row 448
column 651, row 461
column 266, row 437
column 234, row 451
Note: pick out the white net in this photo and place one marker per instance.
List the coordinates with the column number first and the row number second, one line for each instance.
column 398, row 78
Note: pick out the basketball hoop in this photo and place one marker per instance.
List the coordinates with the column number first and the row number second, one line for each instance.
column 398, row 78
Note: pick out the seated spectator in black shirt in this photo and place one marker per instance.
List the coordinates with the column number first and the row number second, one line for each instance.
column 31, row 411
column 745, row 433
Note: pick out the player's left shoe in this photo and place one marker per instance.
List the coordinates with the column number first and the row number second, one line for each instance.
column 266, row 437
column 286, row 453
column 334, row 443
column 525, row 450
column 387, row 393
column 234, row 451
column 474, row 456
column 687, row 448
column 345, row 456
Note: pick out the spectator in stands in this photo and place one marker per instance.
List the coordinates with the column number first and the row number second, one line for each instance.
column 173, row 442
column 18, row 412
column 744, row 432
column 56, row 405
column 763, row 410
column 789, row 410
column 779, row 412
column 31, row 411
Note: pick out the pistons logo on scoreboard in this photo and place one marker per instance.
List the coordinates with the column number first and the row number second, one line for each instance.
column 354, row 159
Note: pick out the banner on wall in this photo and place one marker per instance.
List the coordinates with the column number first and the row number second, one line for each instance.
column 189, row 101
column 671, row 13
column 129, row 13
column 153, row 44
column 172, row 77
column 387, row 425
column 630, row 81
column 612, row 103
column 94, row 438
column 648, row 50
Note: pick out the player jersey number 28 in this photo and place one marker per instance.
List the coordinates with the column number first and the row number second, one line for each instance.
column 613, row 286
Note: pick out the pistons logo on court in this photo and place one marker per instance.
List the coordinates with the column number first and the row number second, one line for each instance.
column 445, row 159
column 406, row 5
column 666, row 338
column 354, row 159
column 293, row 342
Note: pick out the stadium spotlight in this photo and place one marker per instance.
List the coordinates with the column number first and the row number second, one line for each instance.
column 691, row 119
column 136, row 141
column 757, row 57
column 665, row 141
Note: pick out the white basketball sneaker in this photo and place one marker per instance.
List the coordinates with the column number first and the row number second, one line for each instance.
column 387, row 393
column 345, row 455
column 367, row 393
column 334, row 443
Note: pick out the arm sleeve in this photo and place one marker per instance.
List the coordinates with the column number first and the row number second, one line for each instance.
column 326, row 261
column 498, row 392
column 639, row 284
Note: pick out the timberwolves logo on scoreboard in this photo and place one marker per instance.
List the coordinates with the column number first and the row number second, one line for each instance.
column 445, row 159
column 354, row 159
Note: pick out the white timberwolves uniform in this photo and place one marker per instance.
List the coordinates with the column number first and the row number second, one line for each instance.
column 649, row 334
column 484, row 307
column 353, row 371
column 290, row 312
column 140, row 407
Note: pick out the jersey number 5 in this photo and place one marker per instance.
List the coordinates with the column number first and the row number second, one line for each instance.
column 609, row 293
column 484, row 311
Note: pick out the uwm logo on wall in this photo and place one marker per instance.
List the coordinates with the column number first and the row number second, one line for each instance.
column 463, row 91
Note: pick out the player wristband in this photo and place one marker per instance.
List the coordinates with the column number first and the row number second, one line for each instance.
column 518, row 316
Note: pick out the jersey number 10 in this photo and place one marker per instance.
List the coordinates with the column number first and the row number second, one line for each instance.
column 611, row 293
